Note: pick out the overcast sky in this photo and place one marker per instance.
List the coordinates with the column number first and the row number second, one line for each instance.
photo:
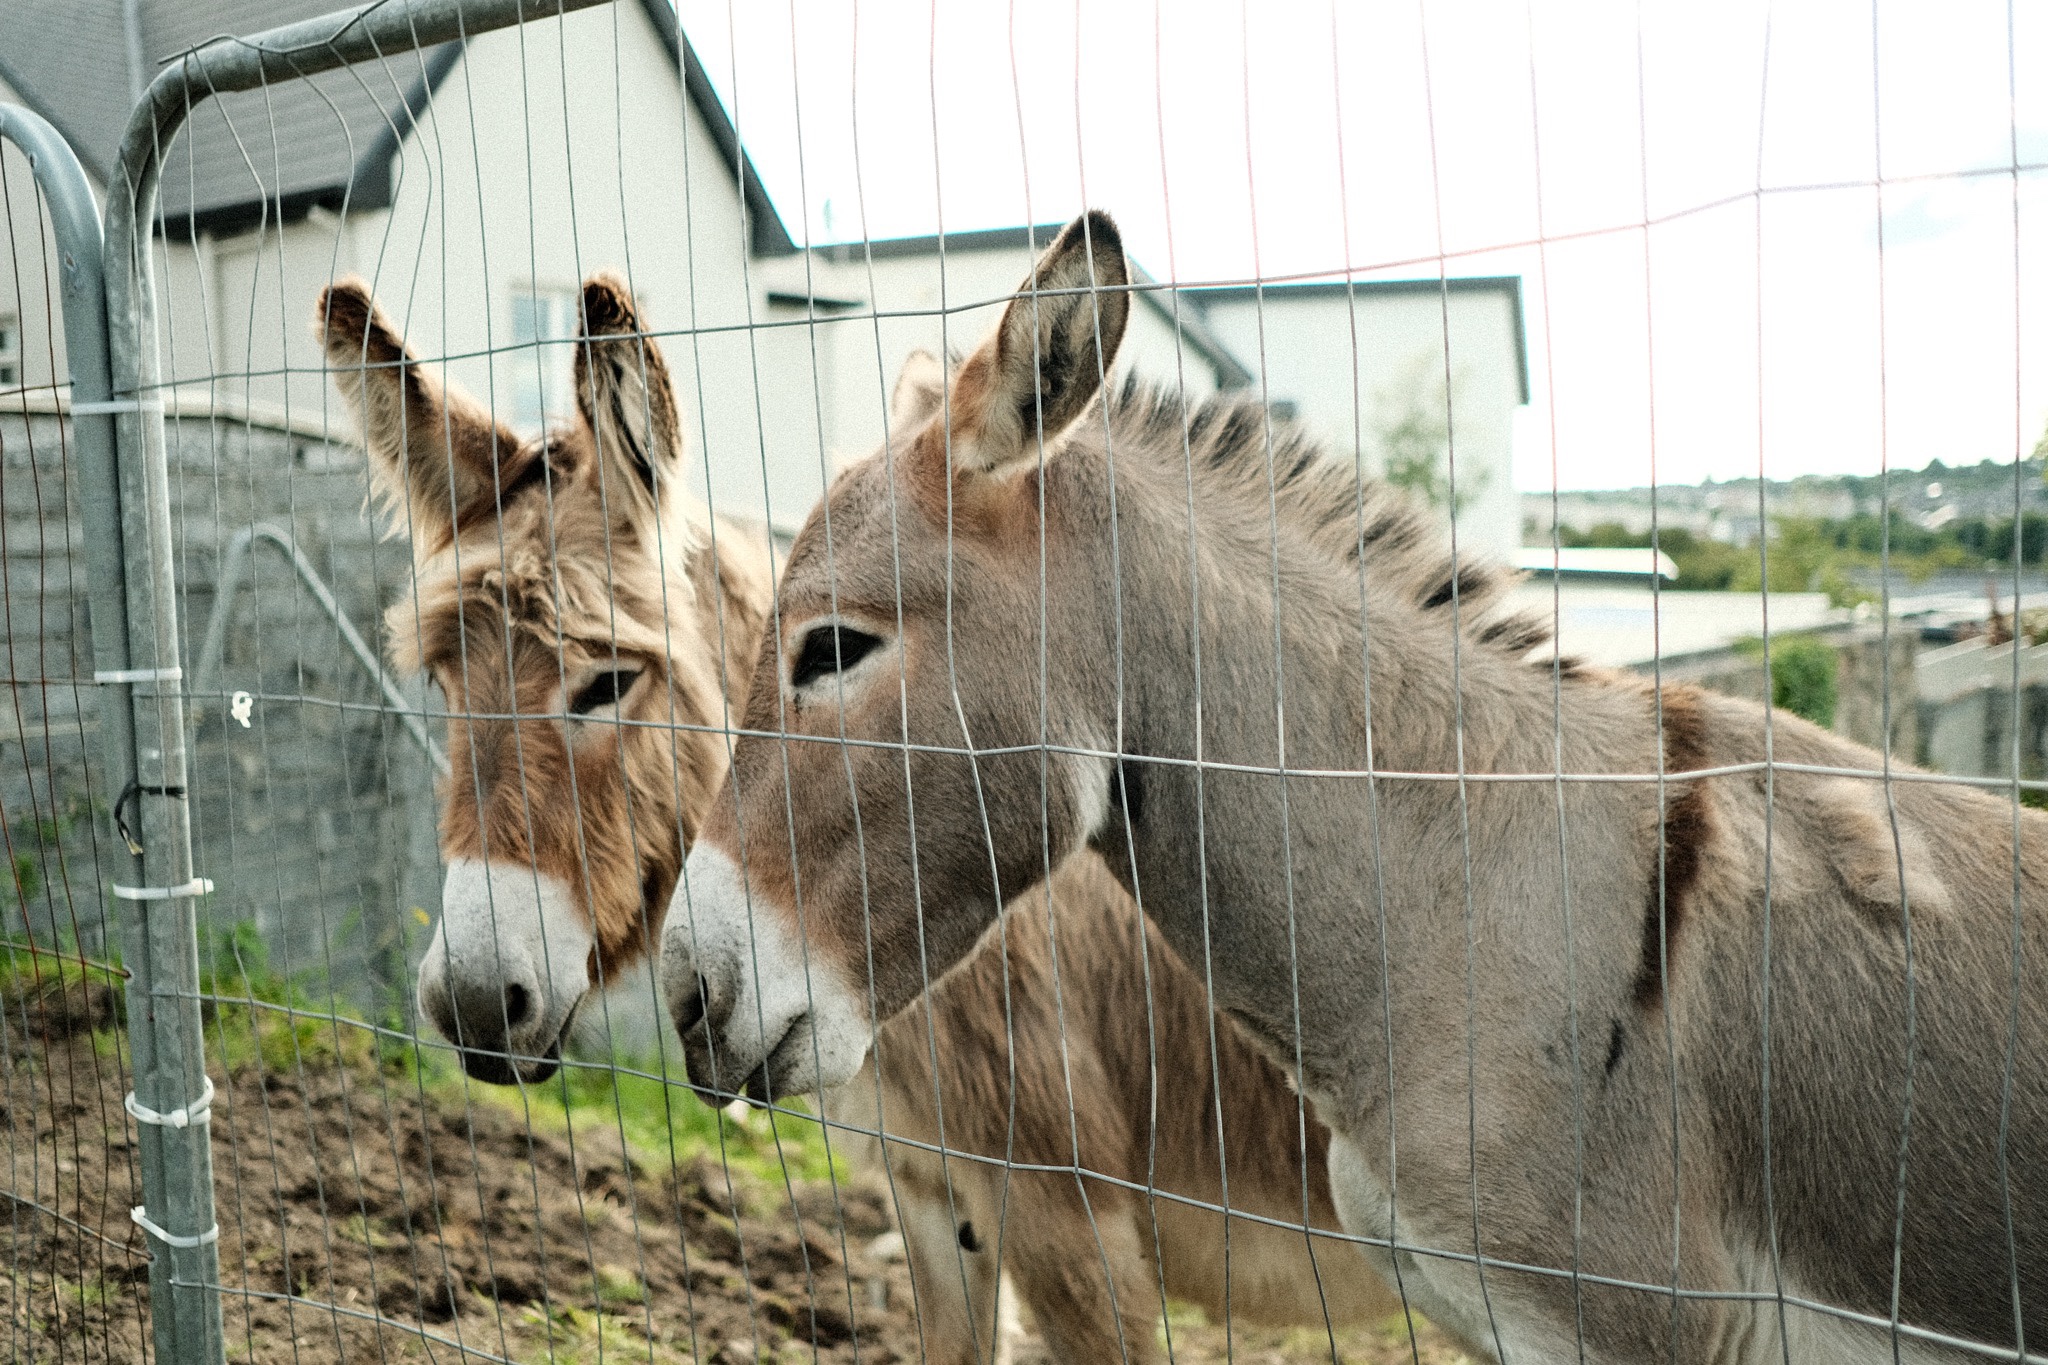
column 1287, row 140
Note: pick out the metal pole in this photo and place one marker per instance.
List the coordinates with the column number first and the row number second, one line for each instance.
column 165, row 1031
column 74, row 221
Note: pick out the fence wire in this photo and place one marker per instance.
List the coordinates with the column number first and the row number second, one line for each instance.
column 1107, row 731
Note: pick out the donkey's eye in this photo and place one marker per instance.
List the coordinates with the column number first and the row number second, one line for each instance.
column 606, row 689
column 830, row 649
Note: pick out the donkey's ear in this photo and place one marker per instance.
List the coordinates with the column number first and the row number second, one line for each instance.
column 623, row 392
column 920, row 391
column 1045, row 364
column 433, row 449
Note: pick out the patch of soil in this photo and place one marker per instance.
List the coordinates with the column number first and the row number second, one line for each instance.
column 356, row 1214
column 364, row 1220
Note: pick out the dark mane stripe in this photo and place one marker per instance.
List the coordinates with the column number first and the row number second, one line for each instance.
column 1687, row 828
column 1318, row 495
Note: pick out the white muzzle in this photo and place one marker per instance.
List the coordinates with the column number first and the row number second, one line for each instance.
column 756, row 1014
column 509, row 963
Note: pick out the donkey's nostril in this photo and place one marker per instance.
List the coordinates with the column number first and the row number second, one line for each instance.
column 689, row 1012
column 518, row 1005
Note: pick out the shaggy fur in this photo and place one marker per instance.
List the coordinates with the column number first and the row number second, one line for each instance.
column 508, row 624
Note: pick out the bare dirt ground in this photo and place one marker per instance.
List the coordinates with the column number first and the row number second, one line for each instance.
column 367, row 1218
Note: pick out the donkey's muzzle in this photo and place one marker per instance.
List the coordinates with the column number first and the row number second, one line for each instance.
column 491, row 1029
column 759, row 1010
column 506, row 970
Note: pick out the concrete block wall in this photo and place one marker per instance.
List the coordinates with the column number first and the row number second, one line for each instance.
column 316, row 821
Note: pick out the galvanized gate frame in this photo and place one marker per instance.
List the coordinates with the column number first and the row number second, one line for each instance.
column 117, row 413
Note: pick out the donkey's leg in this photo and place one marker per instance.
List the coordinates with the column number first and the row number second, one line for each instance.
column 1084, row 1269
column 939, row 1205
column 947, row 1213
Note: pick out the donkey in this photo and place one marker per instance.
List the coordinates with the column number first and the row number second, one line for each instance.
column 586, row 622
column 1717, row 1051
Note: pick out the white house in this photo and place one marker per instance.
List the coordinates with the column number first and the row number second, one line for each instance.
column 474, row 184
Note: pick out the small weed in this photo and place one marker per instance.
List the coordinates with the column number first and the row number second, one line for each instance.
column 92, row 1293
column 363, row 1232
column 617, row 1284
column 580, row 1336
column 28, row 877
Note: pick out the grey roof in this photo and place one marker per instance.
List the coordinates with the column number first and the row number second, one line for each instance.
column 283, row 149
column 1192, row 324
column 1037, row 237
column 69, row 60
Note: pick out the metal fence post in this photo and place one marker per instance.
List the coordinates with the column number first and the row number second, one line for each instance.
column 137, row 634
column 163, row 1025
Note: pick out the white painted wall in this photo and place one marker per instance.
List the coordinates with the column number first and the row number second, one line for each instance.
column 570, row 146
column 948, row 311
column 29, row 285
column 495, row 202
column 235, row 314
column 1302, row 339
column 492, row 203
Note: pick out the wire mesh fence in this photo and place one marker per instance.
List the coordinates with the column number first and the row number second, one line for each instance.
column 531, row 843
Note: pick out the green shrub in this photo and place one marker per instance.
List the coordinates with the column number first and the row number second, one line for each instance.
column 1803, row 675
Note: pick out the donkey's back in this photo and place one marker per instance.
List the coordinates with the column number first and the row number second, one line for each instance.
column 1906, row 1027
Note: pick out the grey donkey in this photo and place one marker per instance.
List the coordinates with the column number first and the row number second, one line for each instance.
column 1648, row 1025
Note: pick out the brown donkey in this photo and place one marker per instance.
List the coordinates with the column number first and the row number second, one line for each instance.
column 574, row 607
column 1769, row 1038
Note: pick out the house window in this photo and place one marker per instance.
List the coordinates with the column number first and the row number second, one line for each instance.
column 541, row 359
column 10, row 351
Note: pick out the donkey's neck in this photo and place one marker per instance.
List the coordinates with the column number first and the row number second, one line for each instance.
column 1255, row 665
column 1229, row 635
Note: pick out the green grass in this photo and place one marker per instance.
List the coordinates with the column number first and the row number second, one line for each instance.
column 665, row 1124
column 255, row 1016
column 662, row 1124
column 26, row 968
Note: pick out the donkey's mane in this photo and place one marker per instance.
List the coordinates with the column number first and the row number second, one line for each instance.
column 1350, row 518
column 549, row 566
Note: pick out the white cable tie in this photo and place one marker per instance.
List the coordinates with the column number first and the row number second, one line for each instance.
column 199, row 1111
column 139, row 1215
column 198, row 886
column 106, row 405
column 137, row 675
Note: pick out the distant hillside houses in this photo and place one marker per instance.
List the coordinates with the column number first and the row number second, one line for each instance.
column 475, row 192
column 1732, row 513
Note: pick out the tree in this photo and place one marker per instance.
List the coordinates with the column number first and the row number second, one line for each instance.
column 1412, row 419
